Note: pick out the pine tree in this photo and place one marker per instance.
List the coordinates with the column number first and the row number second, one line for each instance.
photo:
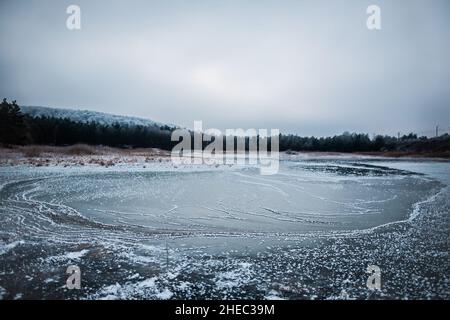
column 12, row 125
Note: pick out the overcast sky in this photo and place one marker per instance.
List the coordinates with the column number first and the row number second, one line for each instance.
column 306, row 67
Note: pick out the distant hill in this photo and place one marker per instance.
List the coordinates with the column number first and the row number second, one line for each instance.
column 85, row 116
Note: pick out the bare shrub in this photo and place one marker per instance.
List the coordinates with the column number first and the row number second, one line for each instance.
column 31, row 151
column 80, row 150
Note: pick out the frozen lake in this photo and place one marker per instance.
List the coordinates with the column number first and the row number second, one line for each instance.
column 204, row 232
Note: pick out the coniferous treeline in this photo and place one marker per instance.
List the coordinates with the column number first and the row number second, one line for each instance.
column 57, row 131
column 19, row 129
column 346, row 142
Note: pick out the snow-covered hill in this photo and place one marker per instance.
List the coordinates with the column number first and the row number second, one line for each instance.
column 88, row 116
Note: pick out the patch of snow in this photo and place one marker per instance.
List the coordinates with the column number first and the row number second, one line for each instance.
column 148, row 283
column 164, row 295
column 68, row 256
column 2, row 293
column 235, row 277
column 18, row 296
column 149, row 288
column 184, row 285
column 273, row 295
column 4, row 248
column 111, row 292
column 76, row 255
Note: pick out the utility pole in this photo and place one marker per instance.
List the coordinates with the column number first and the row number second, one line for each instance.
column 437, row 131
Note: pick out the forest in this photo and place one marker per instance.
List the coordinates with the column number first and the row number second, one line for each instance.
column 17, row 128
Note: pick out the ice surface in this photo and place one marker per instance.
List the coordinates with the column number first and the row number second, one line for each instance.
column 195, row 232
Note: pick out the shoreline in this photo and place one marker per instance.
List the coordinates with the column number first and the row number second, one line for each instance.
column 79, row 155
column 83, row 155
